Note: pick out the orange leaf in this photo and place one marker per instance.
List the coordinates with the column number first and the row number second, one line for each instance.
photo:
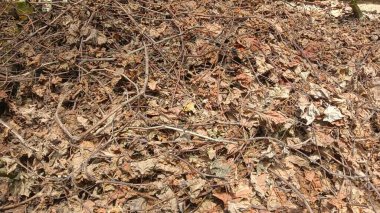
column 223, row 197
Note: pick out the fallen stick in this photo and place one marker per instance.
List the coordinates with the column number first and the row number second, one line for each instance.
column 39, row 194
column 121, row 105
column 295, row 190
column 63, row 127
column 82, row 60
column 20, row 138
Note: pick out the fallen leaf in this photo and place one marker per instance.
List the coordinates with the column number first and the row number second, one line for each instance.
column 279, row 92
column 332, row 114
column 310, row 114
column 260, row 184
column 262, row 66
column 223, row 197
column 189, row 107
column 275, row 117
column 152, row 84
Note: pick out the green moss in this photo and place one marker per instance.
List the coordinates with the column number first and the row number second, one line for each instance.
column 355, row 9
column 24, row 9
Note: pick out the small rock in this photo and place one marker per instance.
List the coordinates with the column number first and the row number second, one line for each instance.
column 374, row 37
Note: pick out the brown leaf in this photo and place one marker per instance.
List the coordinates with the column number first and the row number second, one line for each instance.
column 152, row 84
column 223, row 197
column 275, row 117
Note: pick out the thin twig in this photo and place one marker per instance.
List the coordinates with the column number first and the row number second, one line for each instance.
column 40, row 29
column 303, row 154
column 20, row 138
column 39, row 194
column 186, row 132
column 82, row 60
column 58, row 120
column 121, row 105
column 300, row 195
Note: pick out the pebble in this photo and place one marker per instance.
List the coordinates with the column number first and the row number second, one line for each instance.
column 374, row 37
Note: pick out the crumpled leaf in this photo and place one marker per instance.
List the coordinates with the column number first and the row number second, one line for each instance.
column 332, row 114
column 138, row 204
column 275, row 117
column 144, row 167
column 242, row 190
column 189, row 107
column 11, row 164
column 168, row 195
column 262, row 66
column 318, row 92
column 238, row 206
column 280, row 93
column 196, row 186
column 310, row 114
column 207, row 206
column 224, row 197
column 220, row 168
column 260, row 183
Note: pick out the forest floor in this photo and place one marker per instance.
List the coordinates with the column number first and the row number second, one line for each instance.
column 189, row 106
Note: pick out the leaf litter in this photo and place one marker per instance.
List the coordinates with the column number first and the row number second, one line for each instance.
column 191, row 106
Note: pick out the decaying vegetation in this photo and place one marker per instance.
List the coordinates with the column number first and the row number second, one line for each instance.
column 188, row 106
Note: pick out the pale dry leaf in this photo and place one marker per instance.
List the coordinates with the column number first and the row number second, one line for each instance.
column 164, row 166
column 136, row 205
column 242, row 190
column 211, row 153
column 207, row 206
column 262, row 66
column 144, row 167
column 83, row 121
column 11, row 164
column 273, row 201
column 275, row 117
column 152, row 85
column 101, row 38
column 310, row 114
column 297, row 160
column 279, row 92
column 88, row 206
column 318, row 92
column 214, row 29
column 24, row 186
column 322, row 139
column 168, row 195
column 27, row 50
column 260, row 184
column 159, row 31
column 332, row 114
column 220, row 168
column 238, row 206
column 196, row 186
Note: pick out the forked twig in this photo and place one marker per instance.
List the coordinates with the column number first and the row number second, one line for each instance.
column 82, row 60
column 295, row 190
column 121, row 105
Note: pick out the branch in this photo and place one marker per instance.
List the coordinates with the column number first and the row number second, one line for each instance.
column 20, row 138
column 121, row 105
column 63, row 127
column 300, row 195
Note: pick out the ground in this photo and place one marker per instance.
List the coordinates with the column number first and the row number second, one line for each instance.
column 189, row 106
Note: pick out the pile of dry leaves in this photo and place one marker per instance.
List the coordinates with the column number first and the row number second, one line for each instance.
column 189, row 106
